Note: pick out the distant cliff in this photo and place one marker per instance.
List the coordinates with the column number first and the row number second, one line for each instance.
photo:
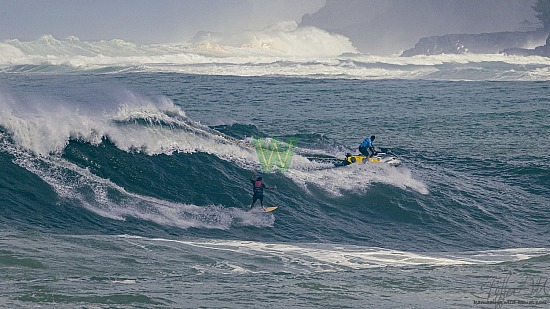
column 543, row 51
column 483, row 43
column 391, row 26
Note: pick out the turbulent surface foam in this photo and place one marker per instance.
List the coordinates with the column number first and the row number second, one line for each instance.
column 327, row 257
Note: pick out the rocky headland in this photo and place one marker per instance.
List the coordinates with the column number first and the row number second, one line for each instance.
column 511, row 43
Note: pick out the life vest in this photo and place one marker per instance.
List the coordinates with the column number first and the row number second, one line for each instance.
column 258, row 188
column 366, row 143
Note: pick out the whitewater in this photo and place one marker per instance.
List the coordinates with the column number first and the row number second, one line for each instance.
column 283, row 49
column 126, row 172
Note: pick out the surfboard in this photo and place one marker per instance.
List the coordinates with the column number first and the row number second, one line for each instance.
column 270, row 208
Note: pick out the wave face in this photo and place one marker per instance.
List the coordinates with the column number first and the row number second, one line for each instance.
column 283, row 49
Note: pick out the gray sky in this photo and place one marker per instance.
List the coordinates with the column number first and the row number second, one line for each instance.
column 389, row 26
column 143, row 21
column 377, row 26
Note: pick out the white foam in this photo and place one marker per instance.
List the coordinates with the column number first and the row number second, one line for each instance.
column 355, row 178
column 333, row 257
column 284, row 39
column 45, row 126
column 282, row 49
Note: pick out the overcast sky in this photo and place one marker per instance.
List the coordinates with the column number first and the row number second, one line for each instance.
column 390, row 26
column 143, row 21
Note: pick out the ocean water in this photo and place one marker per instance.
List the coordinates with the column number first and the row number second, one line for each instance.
column 126, row 186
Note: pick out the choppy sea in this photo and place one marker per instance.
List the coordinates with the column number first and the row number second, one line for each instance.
column 126, row 186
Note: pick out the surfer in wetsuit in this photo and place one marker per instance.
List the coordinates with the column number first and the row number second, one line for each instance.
column 366, row 148
column 258, row 186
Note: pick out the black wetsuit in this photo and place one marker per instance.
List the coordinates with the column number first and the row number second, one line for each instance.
column 366, row 151
column 258, row 187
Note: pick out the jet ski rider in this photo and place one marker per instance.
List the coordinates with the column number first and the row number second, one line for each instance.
column 367, row 148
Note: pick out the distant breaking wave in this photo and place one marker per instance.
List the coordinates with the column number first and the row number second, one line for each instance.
column 280, row 50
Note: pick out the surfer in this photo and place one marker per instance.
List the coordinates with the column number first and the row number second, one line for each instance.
column 367, row 148
column 258, row 186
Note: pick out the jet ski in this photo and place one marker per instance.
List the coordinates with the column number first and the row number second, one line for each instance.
column 382, row 155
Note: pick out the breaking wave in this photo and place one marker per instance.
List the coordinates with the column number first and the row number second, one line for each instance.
column 283, row 49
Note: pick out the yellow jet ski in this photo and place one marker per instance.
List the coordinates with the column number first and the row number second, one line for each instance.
column 382, row 155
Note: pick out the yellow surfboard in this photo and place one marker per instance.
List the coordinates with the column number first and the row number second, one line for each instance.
column 270, row 208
